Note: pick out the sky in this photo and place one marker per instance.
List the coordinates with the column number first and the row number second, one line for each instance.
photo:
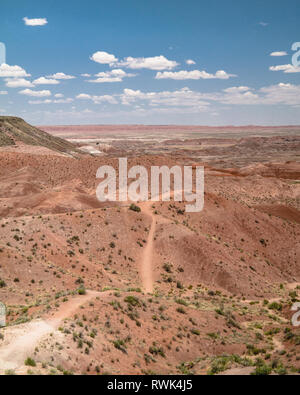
column 196, row 62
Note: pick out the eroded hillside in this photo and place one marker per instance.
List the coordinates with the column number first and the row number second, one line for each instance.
column 14, row 131
column 99, row 288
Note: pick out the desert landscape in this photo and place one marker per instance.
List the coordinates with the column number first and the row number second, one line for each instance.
column 119, row 288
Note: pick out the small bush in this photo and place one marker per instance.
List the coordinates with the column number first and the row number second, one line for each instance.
column 275, row 306
column 180, row 310
column 30, row 362
column 182, row 301
column 262, row 370
column 120, row 345
column 81, row 290
column 135, row 208
column 132, row 300
column 2, row 283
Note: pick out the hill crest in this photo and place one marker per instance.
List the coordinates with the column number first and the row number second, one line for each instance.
column 14, row 130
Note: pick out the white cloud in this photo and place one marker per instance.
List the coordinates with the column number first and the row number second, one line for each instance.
column 105, row 98
column 84, row 96
column 45, row 81
column 286, row 68
column 103, row 57
column 85, row 75
column 192, row 75
column 35, row 21
column 12, row 71
column 61, row 101
column 106, row 79
column 183, row 101
column 58, row 95
column 278, row 53
column 281, row 94
column 115, row 72
column 179, row 98
column 115, row 75
column 19, row 83
column 49, row 101
column 263, row 24
column 97, row 99
column 237, row 89
column 3, row 92
column 151, row 63
column 236, row 95
column 190, row 62
column 29, row 92
column 61, row 76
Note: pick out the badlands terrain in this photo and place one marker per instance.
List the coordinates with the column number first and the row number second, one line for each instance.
column 110, row 288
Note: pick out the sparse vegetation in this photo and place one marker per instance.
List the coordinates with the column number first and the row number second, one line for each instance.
column 135, row 208
column 30, row 362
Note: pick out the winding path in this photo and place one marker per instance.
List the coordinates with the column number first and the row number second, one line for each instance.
column 147, row 259
column 23, row 339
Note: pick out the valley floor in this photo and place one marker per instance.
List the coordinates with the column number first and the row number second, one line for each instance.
column 99, row 288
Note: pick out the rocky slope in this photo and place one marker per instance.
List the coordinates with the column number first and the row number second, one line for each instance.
column 15, row 130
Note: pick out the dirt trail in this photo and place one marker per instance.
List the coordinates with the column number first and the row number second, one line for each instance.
column 278, row 345
column 146, row 264
column 67, row 309
column 292, row 286
column 147, row 258
column 289, row 286
column 21, row 340
column 241, row 371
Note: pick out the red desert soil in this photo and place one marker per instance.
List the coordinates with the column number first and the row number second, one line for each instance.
column 170, row 291
column 27, row 336
column 147, row 258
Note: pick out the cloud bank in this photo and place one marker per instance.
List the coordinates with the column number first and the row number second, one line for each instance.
column 35, row 21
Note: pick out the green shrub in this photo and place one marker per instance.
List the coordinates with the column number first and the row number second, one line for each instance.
column 132, row 300
column 180, row 310
column 30, row 362
column 224, row 362
column 167, row 267
column 135, row 208
column 81, row 290
column 120, row 345
column 2, row 283
column 275, row 306
column 181, row 301
column 10, row 372
column 157, row 351
column 262, row 370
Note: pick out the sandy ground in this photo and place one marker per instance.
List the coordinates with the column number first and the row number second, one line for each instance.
column 33, row 150
column 21, row 341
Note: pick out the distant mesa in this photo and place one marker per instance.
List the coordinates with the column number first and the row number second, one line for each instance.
column 14, row 130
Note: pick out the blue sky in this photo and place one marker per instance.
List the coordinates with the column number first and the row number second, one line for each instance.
column 153, row 62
